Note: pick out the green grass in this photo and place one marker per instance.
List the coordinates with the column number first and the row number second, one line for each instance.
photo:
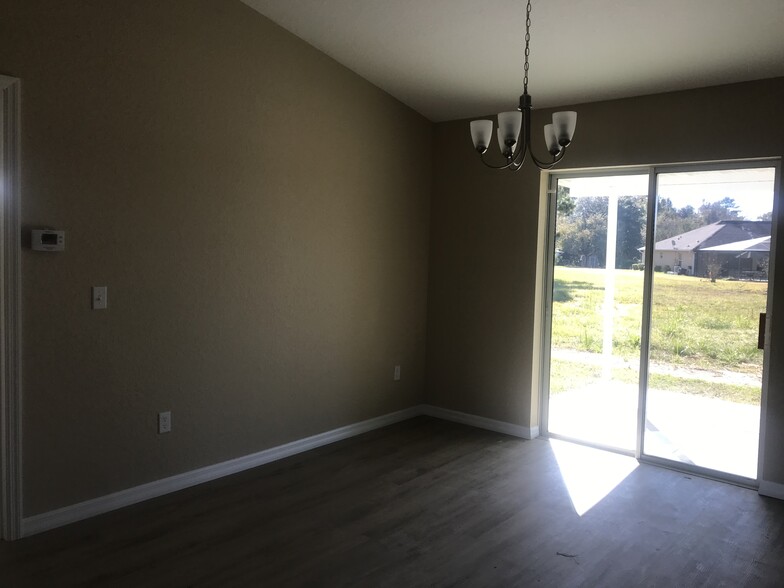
column 711, row 325
column 695, row 322
column 578, row 300
column 573, row 375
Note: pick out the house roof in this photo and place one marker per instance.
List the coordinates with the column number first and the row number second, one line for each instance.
column 758, row 244
column 689, row 240
column 716, row 234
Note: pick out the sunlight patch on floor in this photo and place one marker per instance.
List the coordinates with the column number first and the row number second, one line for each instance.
column 590, row 474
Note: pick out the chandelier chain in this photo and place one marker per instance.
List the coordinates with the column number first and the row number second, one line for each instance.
column 527, row 42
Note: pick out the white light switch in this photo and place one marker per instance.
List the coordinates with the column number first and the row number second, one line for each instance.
column 396, row 376
column 99, row 297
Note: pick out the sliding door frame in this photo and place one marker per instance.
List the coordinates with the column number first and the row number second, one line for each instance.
column 550, row 181
column 648, row 307
column 547, row 291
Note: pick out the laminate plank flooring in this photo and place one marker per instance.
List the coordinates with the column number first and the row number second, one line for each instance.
column 420, row 503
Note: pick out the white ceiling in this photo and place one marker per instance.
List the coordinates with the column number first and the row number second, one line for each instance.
column 452, row 59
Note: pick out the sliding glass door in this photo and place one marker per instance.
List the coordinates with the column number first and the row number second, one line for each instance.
column 597, row 294
column 710, row 285
column 657, row 281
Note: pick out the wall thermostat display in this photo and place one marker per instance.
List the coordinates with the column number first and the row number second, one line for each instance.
column 46, row 240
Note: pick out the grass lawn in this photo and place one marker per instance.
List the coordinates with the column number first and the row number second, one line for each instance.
column 571, row 375
column 695, row 324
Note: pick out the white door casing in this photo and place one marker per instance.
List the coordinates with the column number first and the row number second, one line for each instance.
column 10, row 237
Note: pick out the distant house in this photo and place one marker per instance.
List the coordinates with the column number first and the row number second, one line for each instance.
column 725, row 244
column 747, row 259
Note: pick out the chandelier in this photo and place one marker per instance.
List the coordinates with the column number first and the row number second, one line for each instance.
column 514, row 127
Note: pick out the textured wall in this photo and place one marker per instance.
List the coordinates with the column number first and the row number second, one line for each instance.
column 259, row 214
column 484, row 238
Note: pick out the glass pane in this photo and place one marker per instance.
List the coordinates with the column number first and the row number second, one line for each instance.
column 711, row 261
column 597, row 309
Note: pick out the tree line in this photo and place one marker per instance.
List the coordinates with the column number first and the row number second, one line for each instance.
column 581, row 226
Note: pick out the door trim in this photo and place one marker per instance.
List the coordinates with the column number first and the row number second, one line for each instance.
column 645, row 323
column 10, row 323
column 769, row 320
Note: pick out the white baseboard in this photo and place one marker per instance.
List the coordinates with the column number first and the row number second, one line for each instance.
column 771, row 489
column 103, row 504
column 481, row 422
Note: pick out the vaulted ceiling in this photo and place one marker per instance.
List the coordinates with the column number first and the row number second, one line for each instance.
column 452, row 59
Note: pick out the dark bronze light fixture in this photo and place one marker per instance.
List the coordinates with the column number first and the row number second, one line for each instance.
column 514, row 127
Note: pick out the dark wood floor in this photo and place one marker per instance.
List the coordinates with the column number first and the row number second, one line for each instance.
column 420, row 503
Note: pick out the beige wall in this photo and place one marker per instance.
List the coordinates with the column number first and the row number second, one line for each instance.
column 259, row 214
column 484, row 238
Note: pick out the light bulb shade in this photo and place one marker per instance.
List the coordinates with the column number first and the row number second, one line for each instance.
column 481, row 134
column 564, row 124
column 551, row 139
column 506, row 150
column 501, row 143
column 510, row 123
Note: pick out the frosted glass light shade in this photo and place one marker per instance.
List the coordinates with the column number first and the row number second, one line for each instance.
column 551, row 140
column 509, row 123
column 501, row 143
column 506, row 150
column 481, row 132
column 564, row 124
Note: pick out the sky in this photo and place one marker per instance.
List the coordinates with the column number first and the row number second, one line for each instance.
column 752, row 189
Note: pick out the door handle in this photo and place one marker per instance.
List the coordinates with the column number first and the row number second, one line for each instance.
column 761, row 332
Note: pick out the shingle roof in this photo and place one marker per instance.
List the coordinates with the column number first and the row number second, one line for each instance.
column 719, row 233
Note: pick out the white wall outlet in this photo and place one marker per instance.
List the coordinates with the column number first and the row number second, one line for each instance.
column 397, row 373
column 164, row 422
column 99, row 297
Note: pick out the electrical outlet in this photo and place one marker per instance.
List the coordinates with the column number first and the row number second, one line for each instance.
column 164, row 422
column 397, row 373
column 99, row 298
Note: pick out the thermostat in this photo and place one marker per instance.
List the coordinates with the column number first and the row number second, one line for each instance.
column 46, row 240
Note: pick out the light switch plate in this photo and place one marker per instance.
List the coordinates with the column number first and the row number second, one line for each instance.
column 99, row 297
column 164, row 422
